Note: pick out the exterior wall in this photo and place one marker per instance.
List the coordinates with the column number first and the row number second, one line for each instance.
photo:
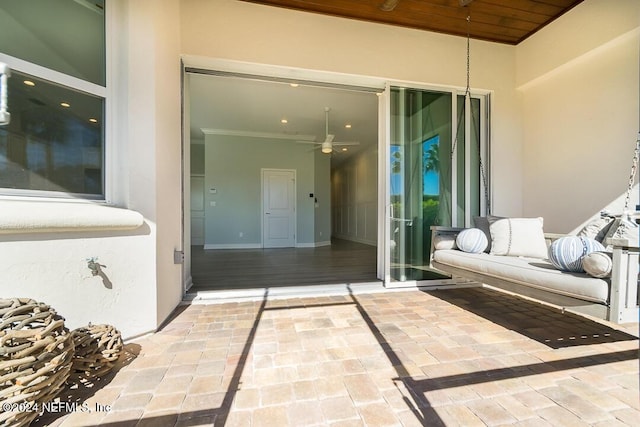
column 547, row 106
column 140, row 285
column 580, row 112
column 239, row 31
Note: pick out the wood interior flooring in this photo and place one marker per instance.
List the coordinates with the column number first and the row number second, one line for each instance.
column 341, row 262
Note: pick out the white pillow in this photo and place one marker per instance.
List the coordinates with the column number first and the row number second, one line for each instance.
column 596, row 229
column 472, row 240
column 518, row 237
column 444, row 241
column 598, row 264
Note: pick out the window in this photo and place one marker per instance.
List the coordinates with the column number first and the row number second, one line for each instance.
column 54, row 144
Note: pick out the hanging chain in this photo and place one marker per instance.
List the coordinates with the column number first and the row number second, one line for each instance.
column 467, row 94
column 467, row 91
column 632, row 175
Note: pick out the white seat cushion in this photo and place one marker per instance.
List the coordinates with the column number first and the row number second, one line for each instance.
column 532, row 272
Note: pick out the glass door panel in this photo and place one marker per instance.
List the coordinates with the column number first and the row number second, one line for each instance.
column 420, row 178
column 467, row 156
column 435, row 177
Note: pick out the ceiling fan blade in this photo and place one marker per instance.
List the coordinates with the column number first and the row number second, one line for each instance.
column 308, row 142
column 346, row 143
column 388, row 5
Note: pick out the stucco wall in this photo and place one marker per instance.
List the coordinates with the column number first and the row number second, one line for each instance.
column 238, row 31
column 140, row 285
column 580, row 112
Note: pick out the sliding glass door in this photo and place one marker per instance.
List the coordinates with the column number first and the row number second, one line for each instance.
column 434, row 173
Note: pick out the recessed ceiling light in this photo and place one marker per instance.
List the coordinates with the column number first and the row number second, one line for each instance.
column 294, row 84
column 348, row 125
column 284, row 121
column 93, row 120
column 344, row 149
column 65, row 104
column 29, row 83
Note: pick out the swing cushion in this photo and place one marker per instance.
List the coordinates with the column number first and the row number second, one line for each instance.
column 472, row 240
column 566, row 253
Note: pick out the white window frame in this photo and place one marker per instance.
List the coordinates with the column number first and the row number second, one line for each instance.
column 106, row 93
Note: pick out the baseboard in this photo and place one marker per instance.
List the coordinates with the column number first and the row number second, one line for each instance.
column 233, row 246
column 356, row 239
column 313, row 245
column 188, row 283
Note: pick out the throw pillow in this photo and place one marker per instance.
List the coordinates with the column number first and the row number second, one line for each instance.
column 518, row 237
column 596, row 229
column 598, row 264
column 472, row 240
column 622, row 228
column 566, row 253
column 444, row 242
column 483, row 223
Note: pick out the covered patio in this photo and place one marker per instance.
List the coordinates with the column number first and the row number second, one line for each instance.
column 464, row 357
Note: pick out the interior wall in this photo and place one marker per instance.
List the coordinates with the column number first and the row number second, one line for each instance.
column 580, row 112
column 233, row 167
column 322, row 199
column 254, row 33
column 354, row 199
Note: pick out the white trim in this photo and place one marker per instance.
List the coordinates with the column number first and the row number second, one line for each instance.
column 53, row 76
column 39, row 216
column 384, row 186
column 281, row 72
column 232, row 246
column 357, row 240
column 313, row 245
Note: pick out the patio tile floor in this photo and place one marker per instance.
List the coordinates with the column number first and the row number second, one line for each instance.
column 463, row 357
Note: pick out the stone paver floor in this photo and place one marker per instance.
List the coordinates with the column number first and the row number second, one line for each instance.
column 464, row 357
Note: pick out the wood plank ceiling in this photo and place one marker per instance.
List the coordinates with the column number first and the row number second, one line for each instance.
column 501, row 21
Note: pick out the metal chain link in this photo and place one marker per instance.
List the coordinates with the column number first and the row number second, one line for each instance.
column 632, row 175
column 467, row 91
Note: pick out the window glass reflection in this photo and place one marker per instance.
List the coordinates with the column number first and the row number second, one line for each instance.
column 55, row 141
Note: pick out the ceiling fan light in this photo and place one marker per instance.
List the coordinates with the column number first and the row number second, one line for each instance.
column 327, row 147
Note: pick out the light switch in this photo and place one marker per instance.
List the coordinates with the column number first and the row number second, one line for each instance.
column 212, row 203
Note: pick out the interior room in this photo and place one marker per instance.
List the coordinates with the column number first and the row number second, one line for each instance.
column 244, row 130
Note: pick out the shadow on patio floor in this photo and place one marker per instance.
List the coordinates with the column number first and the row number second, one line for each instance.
column 542, row 323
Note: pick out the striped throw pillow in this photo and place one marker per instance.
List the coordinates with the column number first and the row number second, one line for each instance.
column 566, row 253
column 472, row 240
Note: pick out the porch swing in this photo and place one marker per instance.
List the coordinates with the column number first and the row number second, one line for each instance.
column 512, row 254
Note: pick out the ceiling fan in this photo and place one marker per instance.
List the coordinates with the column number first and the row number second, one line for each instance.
column 327, row 146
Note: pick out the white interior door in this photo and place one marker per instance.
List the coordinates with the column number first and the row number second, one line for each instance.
column 278, row 208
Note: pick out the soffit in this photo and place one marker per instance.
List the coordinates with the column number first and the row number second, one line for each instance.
column 501, row 21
